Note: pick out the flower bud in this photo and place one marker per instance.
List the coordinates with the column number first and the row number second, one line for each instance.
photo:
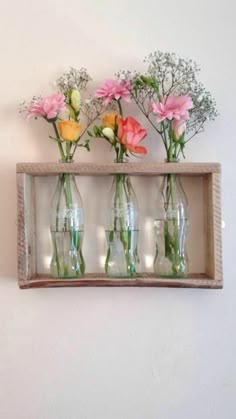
column 178, row 127
column 108, row 133
column 75, row 99
column 109, row 119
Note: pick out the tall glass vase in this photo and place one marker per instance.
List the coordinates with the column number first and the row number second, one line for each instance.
column 122, row 229
column 67, row 227
column 171, row 226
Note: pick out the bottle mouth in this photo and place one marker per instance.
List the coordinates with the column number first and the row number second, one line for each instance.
column 68, row 160
column 172, row 161
column 124, row 160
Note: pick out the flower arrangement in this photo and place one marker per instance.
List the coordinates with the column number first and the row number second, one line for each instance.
column 64, row 111
column 123, row 134
column 177, row 106
column 175, row 103
column 70, row 117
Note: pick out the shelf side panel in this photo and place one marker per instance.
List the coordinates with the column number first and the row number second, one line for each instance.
column 25, row 228
column 213, row 234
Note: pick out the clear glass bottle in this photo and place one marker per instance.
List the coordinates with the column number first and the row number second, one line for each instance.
column 122, row 229
column 171, row 226
column 67, row 227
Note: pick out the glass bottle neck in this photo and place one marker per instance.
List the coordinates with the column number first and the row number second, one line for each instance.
column 67, row 176
column 171, row 160
column 121, row 159
column 67, row 160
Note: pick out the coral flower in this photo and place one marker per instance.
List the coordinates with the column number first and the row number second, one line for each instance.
column 48, row 107
column 109, row 119
column 172, row 107
column 69, row 130
column 130, row 133
column 114, row 89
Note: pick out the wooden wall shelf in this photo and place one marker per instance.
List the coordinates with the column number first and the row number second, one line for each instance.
column 29, row 276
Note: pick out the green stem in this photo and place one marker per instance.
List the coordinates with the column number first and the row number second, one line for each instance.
column 170, row 151
column 68, row 148
column 121, row 154
column 58, row 207
column 74, row 235
column 120, row 108
column 175, row 265
column 124, row 233
column 59, row 142
column 119, row 226
column 164, row 137
column 172, row 240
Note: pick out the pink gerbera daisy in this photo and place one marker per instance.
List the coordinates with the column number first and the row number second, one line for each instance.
column 173, row 107
column 114, row 89
column 47, row 107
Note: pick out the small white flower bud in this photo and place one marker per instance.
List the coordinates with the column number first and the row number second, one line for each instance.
column 75, row 100
column 108, row 133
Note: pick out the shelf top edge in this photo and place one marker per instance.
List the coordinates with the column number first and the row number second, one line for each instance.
column 150, row 168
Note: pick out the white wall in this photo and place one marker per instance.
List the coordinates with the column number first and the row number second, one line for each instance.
column 114, row 353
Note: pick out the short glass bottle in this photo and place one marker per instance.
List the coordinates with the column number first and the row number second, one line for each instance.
column 171, row 228
column 67, row 229
column 122, row 229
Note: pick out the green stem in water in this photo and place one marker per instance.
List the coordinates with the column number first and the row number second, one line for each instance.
column 124, row 232
column 172, row 240
column 61, row 177
column 74, row 235
column 175, row 265
column 119, row 227
column 68, row 149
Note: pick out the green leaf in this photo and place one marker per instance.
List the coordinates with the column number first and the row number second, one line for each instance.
column 181, row 139
column 87, row 144
column 144, row 78
column 97, row 131
column 154, row 84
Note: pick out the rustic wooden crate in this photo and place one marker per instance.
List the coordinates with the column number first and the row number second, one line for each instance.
column 28, row 276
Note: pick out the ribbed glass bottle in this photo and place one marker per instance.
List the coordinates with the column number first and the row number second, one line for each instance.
column 171, row 227
column 122, row 229
column 67, row 228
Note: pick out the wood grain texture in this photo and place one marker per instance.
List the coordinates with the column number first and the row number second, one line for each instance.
column 143, row 280
column 213, row 229
column 217, row 226
column 22, row 246
column 46, row 169
column 209, row 227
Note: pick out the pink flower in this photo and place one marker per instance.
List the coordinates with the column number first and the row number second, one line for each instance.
column 114, row 89
column 178, row 127
column 174, row 107
column 48, row 107
column 130, row 133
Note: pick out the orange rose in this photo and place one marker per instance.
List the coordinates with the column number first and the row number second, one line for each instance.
column 130, row 133
column 109, row 120
column 69, row 130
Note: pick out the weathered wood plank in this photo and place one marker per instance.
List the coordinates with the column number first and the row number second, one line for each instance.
column 22, row 246
column 144, row 280
column 217, row 227
column 47, row 169
column 213, row 233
